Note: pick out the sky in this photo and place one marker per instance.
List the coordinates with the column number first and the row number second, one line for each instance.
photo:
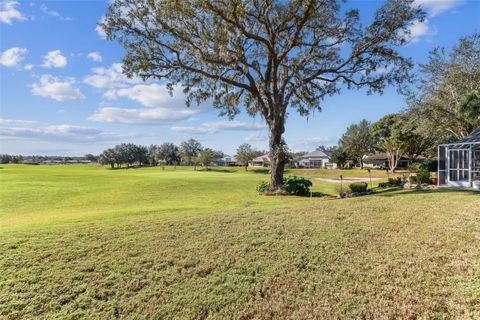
column 62, row 91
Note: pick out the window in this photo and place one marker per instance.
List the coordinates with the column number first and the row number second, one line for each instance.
column 458, row 164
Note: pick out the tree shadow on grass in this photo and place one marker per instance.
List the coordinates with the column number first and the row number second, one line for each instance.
column 262, row 171
column 216, row 170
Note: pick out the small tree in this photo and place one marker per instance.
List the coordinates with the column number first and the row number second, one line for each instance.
column 205, row 157
column 17, row 159
column 415, row 142
column 153, row 154
column 5, row 158
column 108, row 156
column 390, row 137
column 339, row 157
column 357, row 141
column 91, row 157
column 245, row 154
column 169, row 153
column 190, row 149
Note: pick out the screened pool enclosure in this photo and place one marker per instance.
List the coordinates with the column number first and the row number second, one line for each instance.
column 459, row 162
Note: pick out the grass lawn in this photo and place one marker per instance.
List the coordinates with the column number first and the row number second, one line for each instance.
column 86, row 242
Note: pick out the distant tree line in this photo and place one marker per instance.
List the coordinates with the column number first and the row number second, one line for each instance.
column 190, row 153
column 37, row 159
column 7, row 158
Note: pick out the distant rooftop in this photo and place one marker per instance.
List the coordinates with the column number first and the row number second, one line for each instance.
column 316, row 154
column 472, row 137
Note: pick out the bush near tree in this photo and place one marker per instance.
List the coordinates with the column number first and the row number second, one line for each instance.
column 358, row 187
column 293, row 185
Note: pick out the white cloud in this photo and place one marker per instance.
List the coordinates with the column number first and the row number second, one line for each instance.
column 13, row 56
column 54, row 59
column 9, row 12
column 24, row 129
column 28, row 66
column 101, row 33
column 109, row 78
column 216, row 126
column 151, row 95
column 311, row 143
column 436, row 7
column 420, row 29
column 53, row 13
column 95, row 56
column 10, row 122
column 140, row 116
column 254, row 137
column 52, row 87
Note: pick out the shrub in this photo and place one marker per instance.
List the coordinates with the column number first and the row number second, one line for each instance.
column 398, row 181
column 423, row 176
column 291, row 185
column 428, row 165
column 422, row 171
column 359, row 187
column 263, row 187
column 413, row 179
column 297, row 185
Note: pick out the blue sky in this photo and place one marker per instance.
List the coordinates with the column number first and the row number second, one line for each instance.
column 62, row 91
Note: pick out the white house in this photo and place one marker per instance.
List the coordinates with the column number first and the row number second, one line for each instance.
column 261, row 161
column 317, row 159
column 227, row 161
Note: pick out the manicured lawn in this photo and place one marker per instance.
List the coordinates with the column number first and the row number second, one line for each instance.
column 86, row 242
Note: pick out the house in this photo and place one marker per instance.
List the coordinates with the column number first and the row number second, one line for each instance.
column 380, row 161
column 317, row 159
column 459, row 162
column 261, row 161
column 227, row 161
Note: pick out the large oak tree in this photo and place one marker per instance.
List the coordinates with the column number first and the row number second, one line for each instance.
column 268, row 56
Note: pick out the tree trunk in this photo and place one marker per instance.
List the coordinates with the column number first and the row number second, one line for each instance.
column 393, row 158
column 277, row 156
column 361, row 163
column 246, row 167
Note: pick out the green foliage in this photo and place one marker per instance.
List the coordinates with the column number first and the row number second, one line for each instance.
column 205, row 157
column 397, row 181
column 446, row 101
column 390, row 137
column 358, row 187
column 423, row 176
column 297, row 185
column 263, row 187
column 245, row 154
column 427, row 166
column 413, row 179
column 339, row 156
column 5, row 158
column 422, row 171
column 471, row 104
column 189, row 151
column 294, row 185
column 356, row 142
